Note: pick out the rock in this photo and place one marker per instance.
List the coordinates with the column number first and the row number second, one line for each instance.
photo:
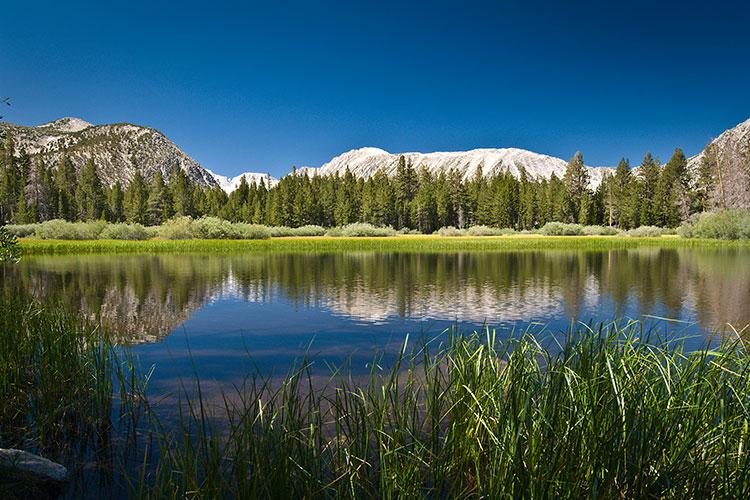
column 23, row 473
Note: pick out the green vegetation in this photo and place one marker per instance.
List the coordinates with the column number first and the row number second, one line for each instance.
column 724, row 225
column 9, row 249
column 421, row 243
column 412, row 199
column 603, row 411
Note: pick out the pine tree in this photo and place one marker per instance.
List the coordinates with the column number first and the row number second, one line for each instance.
column 576, row 182
column 706, row 184
column 404, row 190
column 9, row 180
column 672, row 201
column 136, row 200
column 116, row 203
column 65, row 183
column 89, row 193
column 648, row 174
column 181, row 192
column 38, row 193
column 159, row 200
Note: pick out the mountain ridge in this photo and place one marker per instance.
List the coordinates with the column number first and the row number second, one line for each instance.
column 119, row 149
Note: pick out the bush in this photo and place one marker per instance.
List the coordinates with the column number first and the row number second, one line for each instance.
column 450, row 231
column 213, row 228
column 58, row 229
column 180, row 228
column 489, row 231
column 21, row 230
column 9, row 249
column 252, row 231
column 724, row 225
column 359, row 229
column 284, row 231
column 561, row 229
column 309, row 230
column 121, row 231
column 645, row 232
column 599, row 231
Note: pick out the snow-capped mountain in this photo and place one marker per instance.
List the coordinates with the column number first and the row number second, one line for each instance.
column 229, row 184
column 365, row 162
column 121, row 149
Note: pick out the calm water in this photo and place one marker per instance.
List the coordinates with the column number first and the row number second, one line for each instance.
column 215, row 310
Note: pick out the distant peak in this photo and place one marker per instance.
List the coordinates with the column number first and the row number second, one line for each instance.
column 67, row 124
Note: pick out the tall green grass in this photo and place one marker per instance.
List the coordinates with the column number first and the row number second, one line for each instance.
column 605, row 412
column 375, row 244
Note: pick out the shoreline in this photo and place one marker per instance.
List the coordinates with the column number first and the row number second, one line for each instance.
column 401, row 243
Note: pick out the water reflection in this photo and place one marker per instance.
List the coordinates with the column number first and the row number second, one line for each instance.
column 145, row 298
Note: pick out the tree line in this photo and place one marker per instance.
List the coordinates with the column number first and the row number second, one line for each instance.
column 32, row 190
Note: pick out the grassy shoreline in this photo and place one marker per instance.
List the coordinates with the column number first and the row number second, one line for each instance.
column 610, row 413
column 406, row 243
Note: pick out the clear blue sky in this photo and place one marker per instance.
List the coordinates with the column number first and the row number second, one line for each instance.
column 267, row 85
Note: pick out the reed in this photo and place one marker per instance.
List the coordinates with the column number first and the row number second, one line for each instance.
column 610, row 411
column 601, row 413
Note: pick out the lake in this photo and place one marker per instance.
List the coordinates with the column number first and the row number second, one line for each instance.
column 227, row 315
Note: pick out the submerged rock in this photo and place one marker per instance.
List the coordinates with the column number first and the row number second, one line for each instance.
column 24, row 474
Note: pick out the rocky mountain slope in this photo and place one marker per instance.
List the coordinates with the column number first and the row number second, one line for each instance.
column 121, row 149
column 728, row 159
column 118, row 149
column 365, row 162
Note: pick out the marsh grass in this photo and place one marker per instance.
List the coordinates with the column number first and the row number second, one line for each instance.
column 603, row 413
column 404, row 243
column 595, row 412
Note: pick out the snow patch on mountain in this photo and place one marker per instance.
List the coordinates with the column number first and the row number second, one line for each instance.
column 229, row 184
column 364, row 162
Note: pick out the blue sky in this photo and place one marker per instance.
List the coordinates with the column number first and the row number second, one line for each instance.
column 266, row 85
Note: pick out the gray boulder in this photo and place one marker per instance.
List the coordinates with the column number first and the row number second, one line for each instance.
column 22, row 472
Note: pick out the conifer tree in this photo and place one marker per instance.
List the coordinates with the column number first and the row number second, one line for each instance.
column 115, row 201
column 159, row 201
column 89, row 193
column 181, row 191
column 672, row 199
column 136, row 200
column 576, row 182
column 65, row 183
column 649, row 173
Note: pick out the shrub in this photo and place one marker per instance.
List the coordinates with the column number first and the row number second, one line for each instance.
column 561, row 229
column 252, row 231
column 213, row 228
column 489, row 231
column 335, row 232
column 180, row 228
column 21, row 230
column 58, row 229
column 645, row 232
column 121, row 231
column 599, row 231
column 309, row 230
column 724, row 225
column 450, row 231
column 9, row 249
column 361, row 229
